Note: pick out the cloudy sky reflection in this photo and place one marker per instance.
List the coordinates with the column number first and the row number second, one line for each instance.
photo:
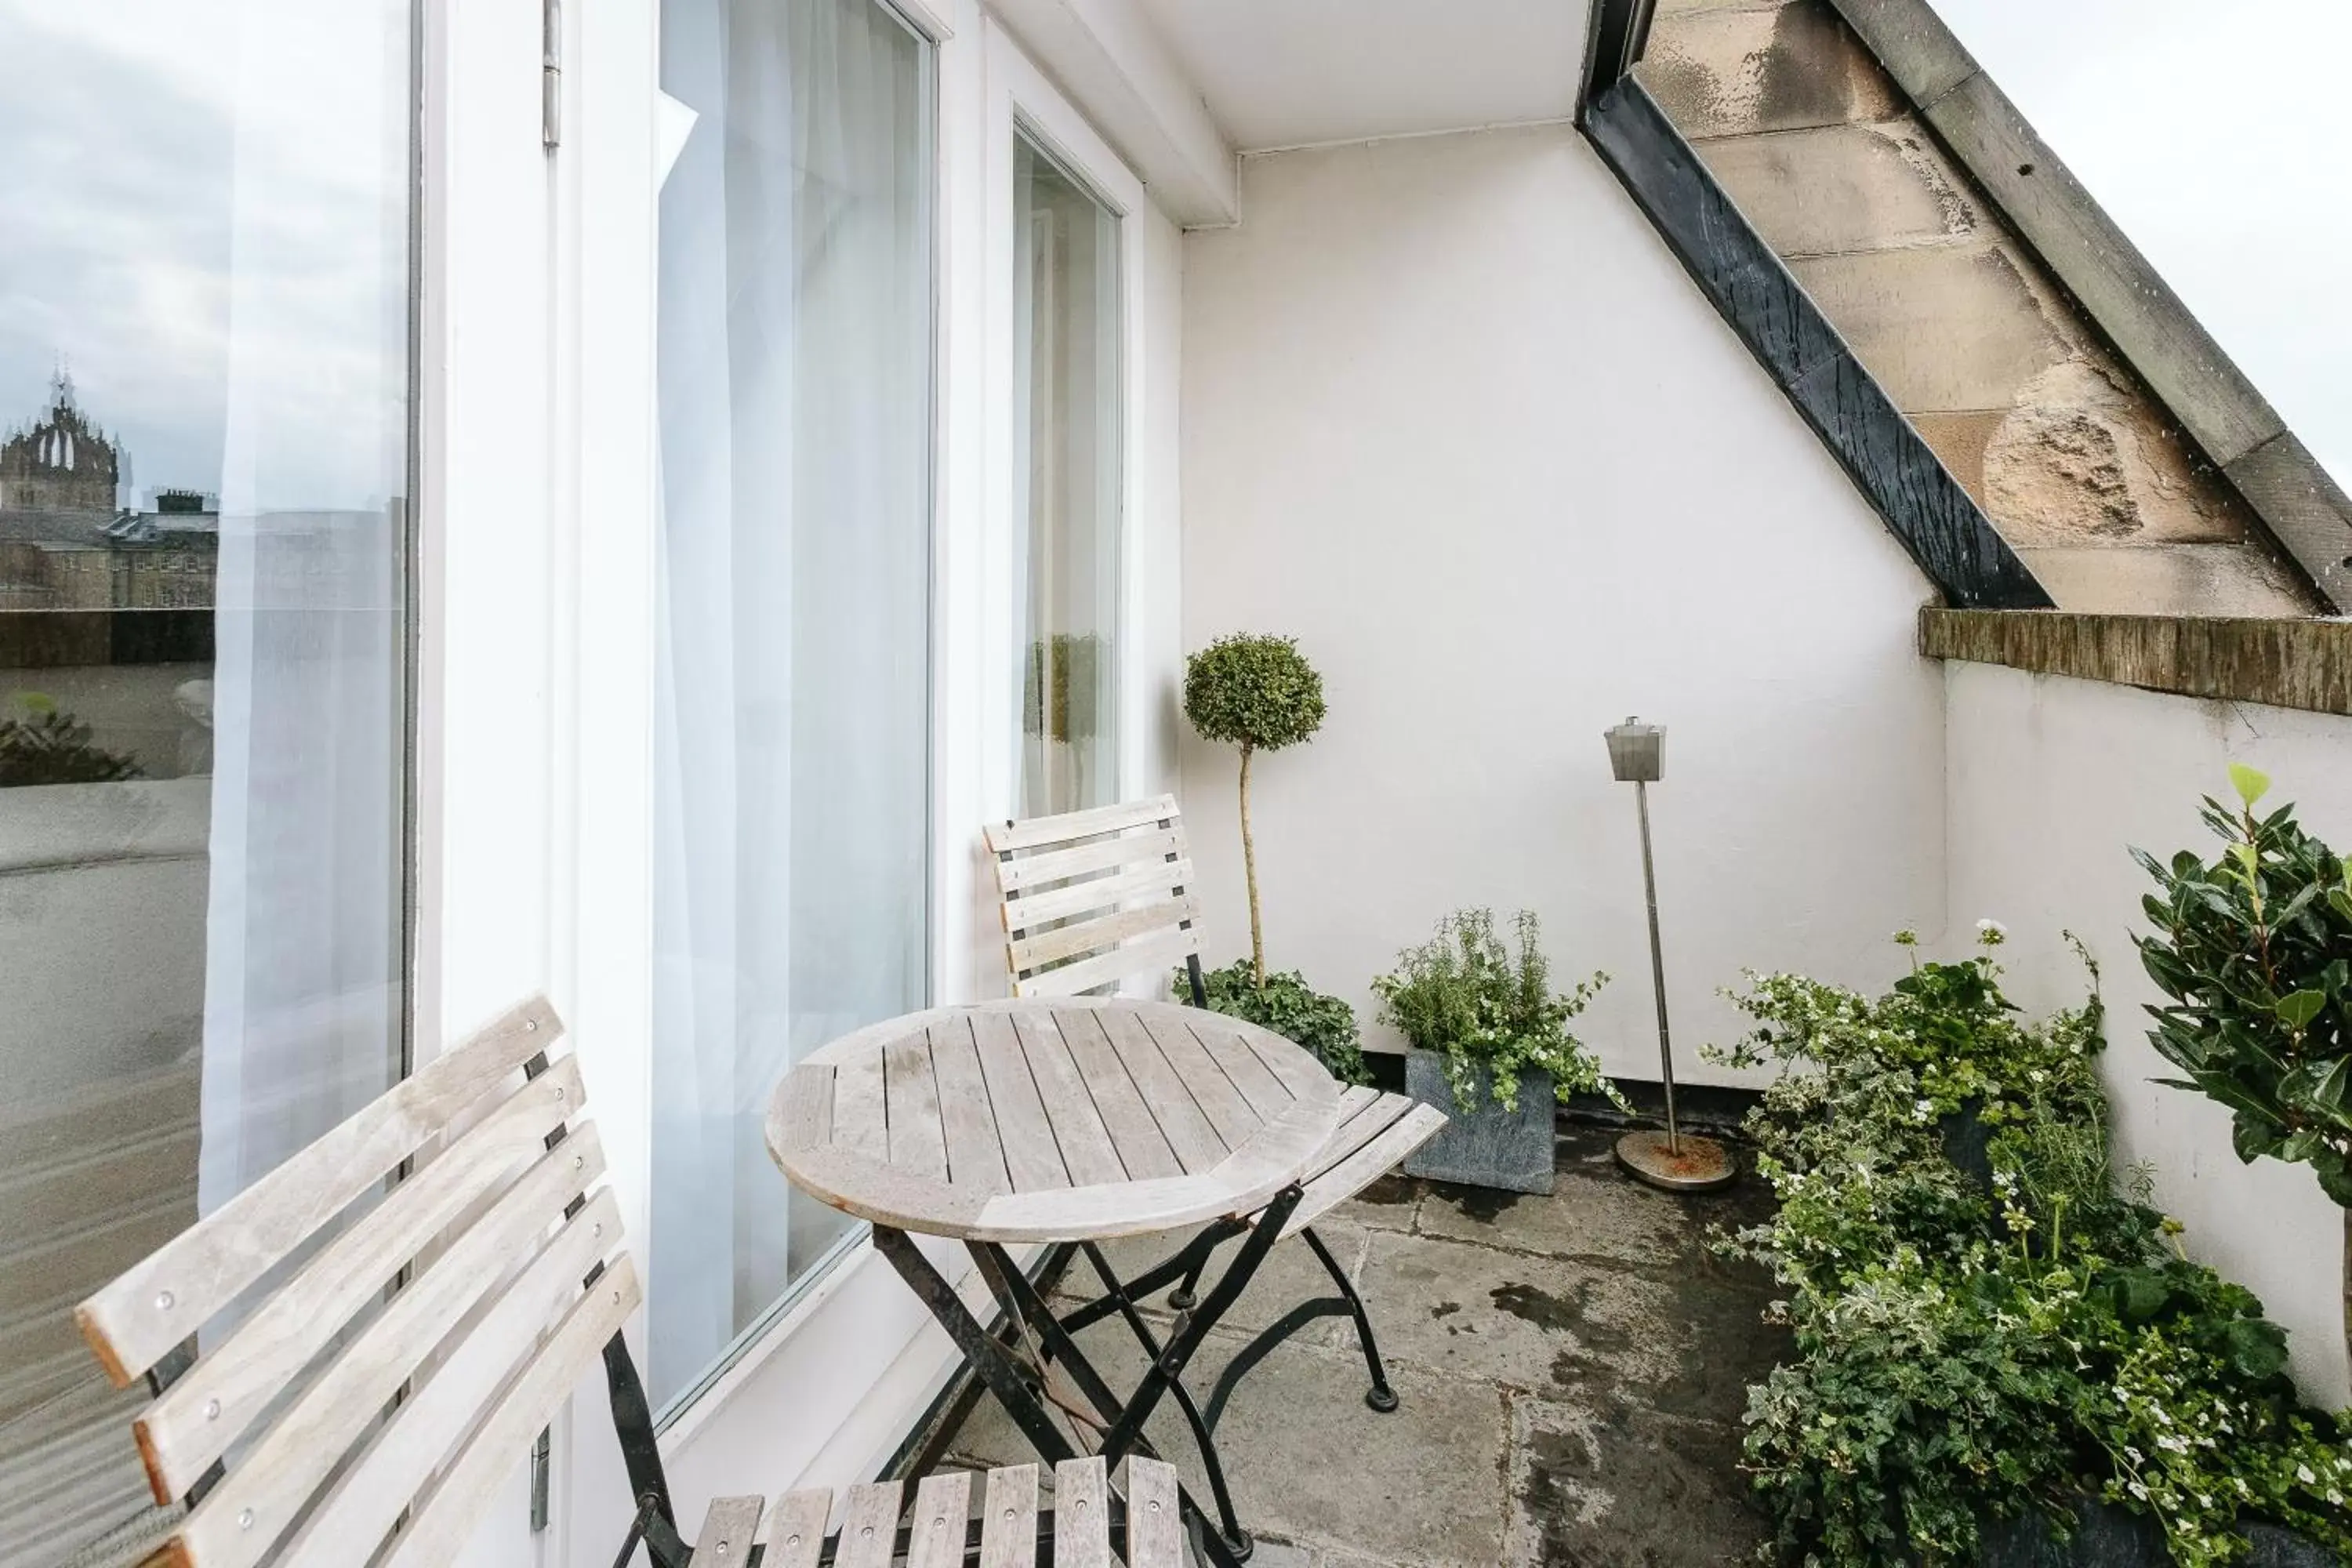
column 206, row 208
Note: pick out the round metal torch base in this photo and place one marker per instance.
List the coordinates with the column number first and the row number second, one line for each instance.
column 1696, row 1165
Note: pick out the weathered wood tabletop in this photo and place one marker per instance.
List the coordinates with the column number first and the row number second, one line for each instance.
column 1065, row 1119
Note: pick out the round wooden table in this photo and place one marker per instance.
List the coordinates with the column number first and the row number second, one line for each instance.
column 1068, row 1121
column 1065, row 1119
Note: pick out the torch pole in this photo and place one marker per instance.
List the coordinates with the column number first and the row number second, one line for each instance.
column 1658, row 969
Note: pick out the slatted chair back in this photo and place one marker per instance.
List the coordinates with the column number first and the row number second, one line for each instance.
column 401, row 1307
column 1092, row 897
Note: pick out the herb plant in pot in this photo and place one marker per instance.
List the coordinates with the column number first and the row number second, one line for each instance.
column 1491, row 1047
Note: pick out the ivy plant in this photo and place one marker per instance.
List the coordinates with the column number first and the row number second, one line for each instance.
column 1963, row 1352
column 1258, row 694
column 2253, row 951
column 1481, row 1002
column 1285, row 1003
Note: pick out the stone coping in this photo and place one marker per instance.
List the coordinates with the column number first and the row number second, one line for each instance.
column 2280, row 663
column 2304, row 507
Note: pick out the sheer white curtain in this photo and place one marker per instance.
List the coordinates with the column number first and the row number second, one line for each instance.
column 303, row 929
column 792, row 682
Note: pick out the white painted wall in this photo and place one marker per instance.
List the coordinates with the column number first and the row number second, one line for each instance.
column 2051, row 780
column 1456, row 418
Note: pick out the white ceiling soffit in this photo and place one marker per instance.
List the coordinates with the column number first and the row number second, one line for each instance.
column 1107, row 56
column 1297, row 73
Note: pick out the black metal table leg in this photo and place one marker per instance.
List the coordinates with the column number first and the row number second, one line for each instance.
column 1057, row 1343
column 1168, row 1363
column 1005, row 1376
column 1187, row 1262
column 1381, row 1396
column 1167, row 1367
column 1014, row 1387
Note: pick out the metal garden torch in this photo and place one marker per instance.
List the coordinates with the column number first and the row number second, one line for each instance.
column 1679, row 1163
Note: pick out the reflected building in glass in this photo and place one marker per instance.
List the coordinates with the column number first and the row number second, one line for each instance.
column 202, row 665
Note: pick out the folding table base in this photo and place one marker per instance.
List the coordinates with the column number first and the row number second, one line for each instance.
column 1187, row 1264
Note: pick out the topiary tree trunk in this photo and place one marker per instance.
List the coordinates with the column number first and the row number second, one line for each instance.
column 1249, row 874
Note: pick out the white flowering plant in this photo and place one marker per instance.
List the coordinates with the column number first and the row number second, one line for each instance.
column 1966, row 1350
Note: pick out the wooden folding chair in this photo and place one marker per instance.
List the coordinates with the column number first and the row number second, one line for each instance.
column 408, row 1300
column 1090, row 898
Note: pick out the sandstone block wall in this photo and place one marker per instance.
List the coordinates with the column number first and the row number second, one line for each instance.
column 2078, row 465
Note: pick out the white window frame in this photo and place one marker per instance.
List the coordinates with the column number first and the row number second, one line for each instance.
column 1022, row 101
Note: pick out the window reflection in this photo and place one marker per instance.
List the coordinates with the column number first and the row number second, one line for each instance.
column 204, row 466
column 1068, row 484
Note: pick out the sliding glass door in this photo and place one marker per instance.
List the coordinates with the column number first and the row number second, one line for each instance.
column 791, row 859
column 204, row 474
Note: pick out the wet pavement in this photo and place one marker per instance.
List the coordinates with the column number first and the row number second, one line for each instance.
column 1572, row 1371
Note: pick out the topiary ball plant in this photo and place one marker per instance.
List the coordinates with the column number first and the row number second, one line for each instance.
column 1257, row 693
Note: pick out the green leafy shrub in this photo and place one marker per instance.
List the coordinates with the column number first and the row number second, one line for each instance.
column 2254, row 952
column 1285, row 1003
column 1257, row 693
column 1967, row 1351
column 48, row 747
column 1481, row 1002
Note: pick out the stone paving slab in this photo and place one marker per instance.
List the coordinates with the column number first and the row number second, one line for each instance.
column 1573, row 1369
column 1603, row 1219
column 1389, row 1203
column 1524, row 1323
column 1634, row 1487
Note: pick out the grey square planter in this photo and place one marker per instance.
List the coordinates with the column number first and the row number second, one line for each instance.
column 1489, row 1147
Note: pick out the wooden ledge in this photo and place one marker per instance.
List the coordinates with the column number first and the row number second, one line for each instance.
column 2282, row 664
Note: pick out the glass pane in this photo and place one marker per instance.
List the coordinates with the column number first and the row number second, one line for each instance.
column 1066, row 445
column 204, row 467
column 793, row 700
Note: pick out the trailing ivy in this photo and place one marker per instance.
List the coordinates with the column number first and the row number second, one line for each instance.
column 1971, row 1349
column 1292, row 1008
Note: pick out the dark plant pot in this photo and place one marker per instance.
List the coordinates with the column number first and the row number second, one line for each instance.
column 1487, row 1146
column 1967, row 1144
column 2106, row 1536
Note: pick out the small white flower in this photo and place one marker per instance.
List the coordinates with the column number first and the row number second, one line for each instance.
column 2302, row 1473
column 1992, row 933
